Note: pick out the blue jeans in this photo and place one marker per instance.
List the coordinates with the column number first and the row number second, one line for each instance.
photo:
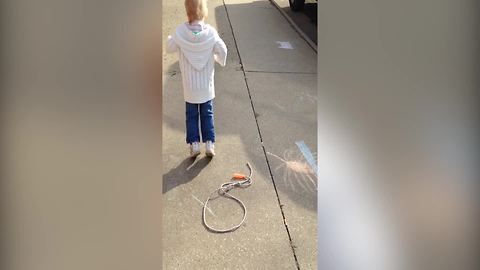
column 203, row 114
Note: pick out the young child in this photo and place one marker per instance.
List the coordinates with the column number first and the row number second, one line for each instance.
column 198, row 46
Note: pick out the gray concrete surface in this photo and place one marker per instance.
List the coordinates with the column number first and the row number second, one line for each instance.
column 258, row 25
column 287, row 110
column 264, row 241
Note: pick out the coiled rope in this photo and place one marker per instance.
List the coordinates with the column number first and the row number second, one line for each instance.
column 223, row 191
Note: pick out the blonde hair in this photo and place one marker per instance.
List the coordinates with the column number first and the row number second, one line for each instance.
column 196, row 9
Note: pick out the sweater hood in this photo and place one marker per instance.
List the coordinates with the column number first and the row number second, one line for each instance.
column 197, row 48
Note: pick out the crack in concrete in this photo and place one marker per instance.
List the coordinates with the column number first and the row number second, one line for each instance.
column 292, row 246
column 280, row 72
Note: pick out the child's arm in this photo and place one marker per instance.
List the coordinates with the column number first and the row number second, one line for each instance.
column 171, row 45
column 220, row 52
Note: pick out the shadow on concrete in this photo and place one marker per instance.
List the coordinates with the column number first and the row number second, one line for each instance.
column 185, row 172
column 305, row 19
column 310, row 10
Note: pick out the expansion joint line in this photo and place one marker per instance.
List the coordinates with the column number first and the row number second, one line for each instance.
column 261, row 139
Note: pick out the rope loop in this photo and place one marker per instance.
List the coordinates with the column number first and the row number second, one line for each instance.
column 223, row 191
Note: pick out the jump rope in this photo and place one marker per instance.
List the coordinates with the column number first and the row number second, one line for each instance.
column 239, row 180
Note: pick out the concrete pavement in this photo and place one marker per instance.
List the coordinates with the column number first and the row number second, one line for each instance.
column 266, row 102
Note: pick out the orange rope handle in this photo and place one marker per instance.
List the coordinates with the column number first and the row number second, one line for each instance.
column 239, row 176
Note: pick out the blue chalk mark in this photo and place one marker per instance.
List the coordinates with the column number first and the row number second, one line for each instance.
column 308, row 155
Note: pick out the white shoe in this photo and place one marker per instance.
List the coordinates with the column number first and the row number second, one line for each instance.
column 209, row 149
column 194, row 149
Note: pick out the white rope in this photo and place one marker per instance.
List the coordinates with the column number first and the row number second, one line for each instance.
column 223, row 191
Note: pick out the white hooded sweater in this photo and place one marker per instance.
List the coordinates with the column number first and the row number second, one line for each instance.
column 198, row 52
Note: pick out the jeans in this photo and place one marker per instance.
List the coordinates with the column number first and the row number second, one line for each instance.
column 203, row 114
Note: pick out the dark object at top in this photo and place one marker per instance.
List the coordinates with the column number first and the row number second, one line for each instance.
column 296, row 5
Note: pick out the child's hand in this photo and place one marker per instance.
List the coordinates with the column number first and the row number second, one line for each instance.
column 220, row 52
column 171, row 45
